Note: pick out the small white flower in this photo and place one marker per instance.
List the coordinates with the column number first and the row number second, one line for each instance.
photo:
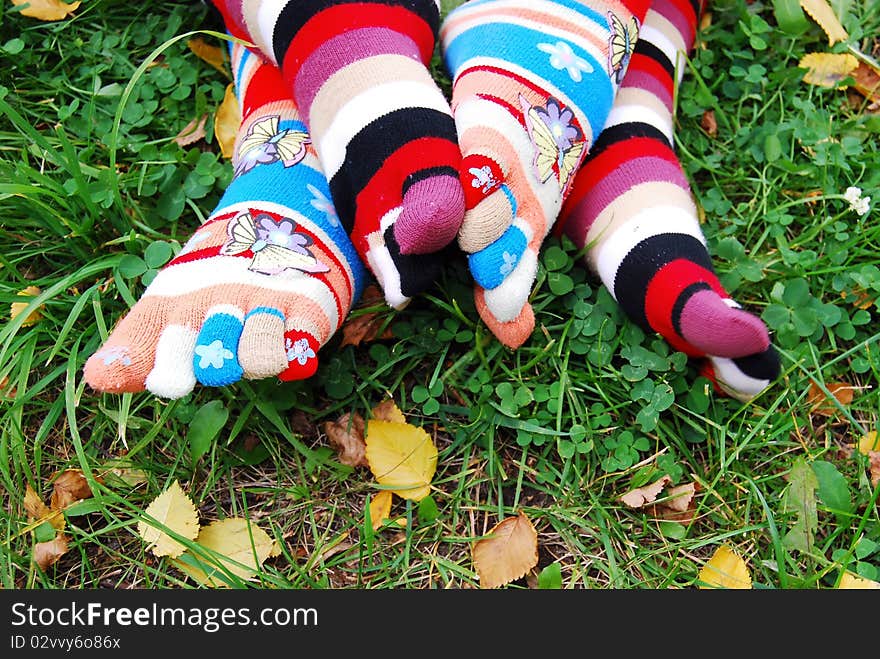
column 483, row 178
column 299, row 351
column 321, row 203
column 563, row 57
column 509, row 262
column 213, row 355
column 857, row 202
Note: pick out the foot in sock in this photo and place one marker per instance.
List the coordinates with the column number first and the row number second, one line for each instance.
column 262, row 285
column 533, row 83
column 632, row 205
column 381, row 127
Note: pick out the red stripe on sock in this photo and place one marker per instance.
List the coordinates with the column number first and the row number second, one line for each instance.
column 350, row 16
column 385, row 189
column 662, row 293
column 638, row 8
column 265, row 86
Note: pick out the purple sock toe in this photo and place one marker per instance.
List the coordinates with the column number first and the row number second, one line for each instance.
column 433, row 210
column 717, row 329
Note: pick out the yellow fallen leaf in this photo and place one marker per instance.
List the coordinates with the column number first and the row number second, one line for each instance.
column 510, row 551
column 39, row 512
column 641, row 496
column 121, row 470
column 827, row 69
column 387, row 410
column 174, row 510
column 850, row 581
column 401, row 457
column 46, row 10
column 48, row 553
column 243, row 548
column 869, row 442
column 821, row 12
column 213, row 55
column 17, row 308
column 725, row 570
column 227, row 120
column 380, row 508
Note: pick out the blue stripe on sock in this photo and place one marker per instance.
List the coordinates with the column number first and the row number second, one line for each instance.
column 574, row 5
column 266, row 310
column 492, row 264
column 288, row 186
column 215, row 361
column 593, row 95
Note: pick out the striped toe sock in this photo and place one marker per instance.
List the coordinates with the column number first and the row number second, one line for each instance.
column 533, row 83
column 381, row 127
column 262, row 284
column 632, row 203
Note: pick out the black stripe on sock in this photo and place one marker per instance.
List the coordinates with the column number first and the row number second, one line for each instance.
column 761, row 366
column 429, row 172
column 418, row 272
column 648, row 49
column 644, row 261
column 375, row 143
column 697, row 5
column 625, row 131
column 298, row 12
column 682, row 299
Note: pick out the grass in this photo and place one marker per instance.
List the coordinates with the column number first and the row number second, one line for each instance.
column 590, row 407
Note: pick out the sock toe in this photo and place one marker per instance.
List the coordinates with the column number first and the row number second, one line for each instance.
column 301, row 356
column 261, row 352
column 720, row 330
column 512, row 333
column 487, row 221
column 433, row 209
column 215, row 360
column 172, row 375
column 745, row 377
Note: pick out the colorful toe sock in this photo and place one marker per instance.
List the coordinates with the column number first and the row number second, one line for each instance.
column 533, row 83
column 632, row 204
column 381, row 127
column 262, row 284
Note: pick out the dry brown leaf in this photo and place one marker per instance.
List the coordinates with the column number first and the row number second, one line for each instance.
column 17, row 308
column 709, row 123
column 47, row 554
column 387, row 410
column 380, row 508
column 192, row 132
column 867, row 82
column 70, row 486
column 821, row 12
column 364, row 328
column 642, row 496
column 827, row 69
column 874, row 460
column 346, row 435
column 39, row 512
column 819, row 403
column 46, row 10
column 508, row 554
column 680, row 505
column 864, row 300
column 227, row 120
column 209, row 53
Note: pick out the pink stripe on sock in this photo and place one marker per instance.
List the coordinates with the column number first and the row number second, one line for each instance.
column 624, row 177
column 642, row 80
column 343, row 50
column 671, row 13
